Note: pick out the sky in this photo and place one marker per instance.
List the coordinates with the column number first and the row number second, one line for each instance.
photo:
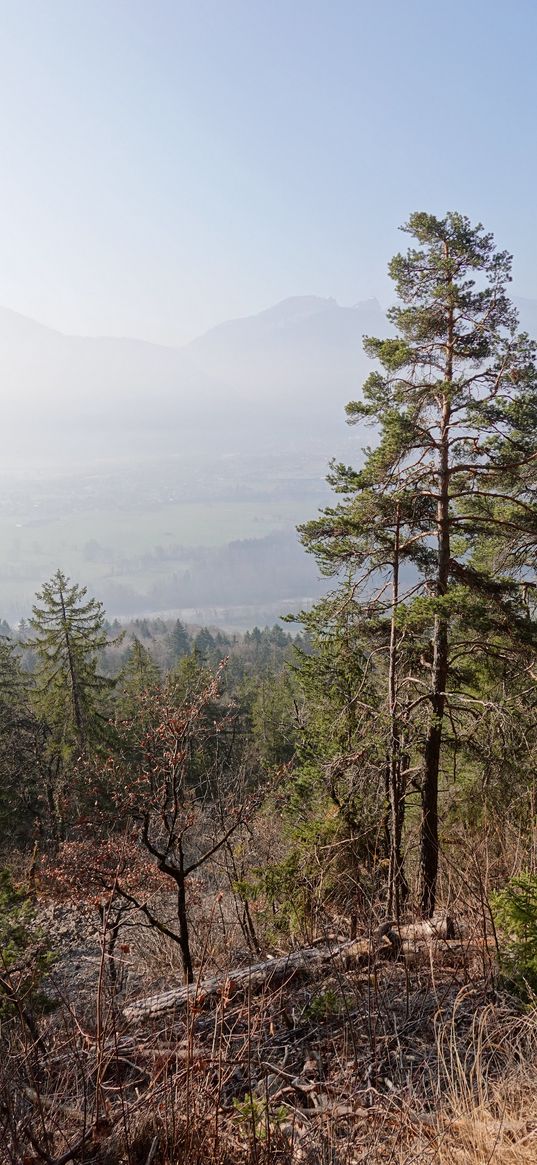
column 169, row 164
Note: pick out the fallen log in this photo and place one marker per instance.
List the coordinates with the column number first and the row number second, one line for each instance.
column 270, row 973
column 440, row 926
column 388, row 942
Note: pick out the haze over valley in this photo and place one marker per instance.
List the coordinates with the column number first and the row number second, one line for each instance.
column 173, row 479
column 268, row 731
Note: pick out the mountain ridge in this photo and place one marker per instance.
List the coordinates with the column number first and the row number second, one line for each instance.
column 217, row 388
column 318, row 303
column 281, row 375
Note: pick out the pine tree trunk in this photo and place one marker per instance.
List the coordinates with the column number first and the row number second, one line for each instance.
column 440, row 644
column 77, row 711
column 397, row 885
column 433, row 742
column 429, row 787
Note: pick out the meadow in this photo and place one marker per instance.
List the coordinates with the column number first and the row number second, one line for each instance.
column 131, row 547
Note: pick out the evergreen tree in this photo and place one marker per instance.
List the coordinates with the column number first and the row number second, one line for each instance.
column 455, row 405
column 340, row 766
column 67, row 636
column 17, row 768
column 179, row 642
column 372, row 536
column 13, row 684
column 139, row 674
column 30, row 778
column 273, row 716
column 204, row 645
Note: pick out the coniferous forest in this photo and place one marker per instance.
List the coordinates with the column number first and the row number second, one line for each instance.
column 272, row 896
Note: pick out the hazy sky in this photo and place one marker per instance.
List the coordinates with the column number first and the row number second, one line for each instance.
column 166, row 165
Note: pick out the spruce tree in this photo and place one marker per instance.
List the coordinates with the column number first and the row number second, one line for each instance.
column 67, row 636
column 179, row 643
column 139, row 675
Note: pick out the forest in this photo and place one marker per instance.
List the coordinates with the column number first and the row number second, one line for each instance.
column 272, row 896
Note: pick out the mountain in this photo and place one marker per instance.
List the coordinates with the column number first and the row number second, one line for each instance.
column 172, row 479
column 303, row 352
column 277, row 379
column 82, row 394
column 297, row 362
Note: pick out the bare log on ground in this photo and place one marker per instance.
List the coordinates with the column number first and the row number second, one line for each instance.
column 270, row 973
column 440, row 926
column 388, row 942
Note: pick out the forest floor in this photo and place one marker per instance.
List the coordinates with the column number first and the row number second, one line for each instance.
column 417, row 1058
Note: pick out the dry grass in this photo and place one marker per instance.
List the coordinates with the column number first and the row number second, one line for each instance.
column 488, row 1101
column 408, row 1063
column 359, row 1068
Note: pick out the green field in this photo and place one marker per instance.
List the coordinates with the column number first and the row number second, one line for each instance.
column 126, row 546
column 130, row 533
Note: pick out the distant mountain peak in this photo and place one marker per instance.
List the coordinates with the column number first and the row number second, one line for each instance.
column 367, row 305
column 297, row 307
column 290, row 315
column 13, row 323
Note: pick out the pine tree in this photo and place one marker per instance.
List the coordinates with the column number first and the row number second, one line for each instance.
column 455, row 406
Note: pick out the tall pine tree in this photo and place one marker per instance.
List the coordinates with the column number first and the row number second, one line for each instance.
column 454, row 401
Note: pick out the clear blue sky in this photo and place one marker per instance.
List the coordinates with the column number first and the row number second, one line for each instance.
column 167, row 164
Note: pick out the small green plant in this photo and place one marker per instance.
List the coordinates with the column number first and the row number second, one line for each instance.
column 280, row 892
column 254, row 1114
column 515, row 913
column 322, row 1006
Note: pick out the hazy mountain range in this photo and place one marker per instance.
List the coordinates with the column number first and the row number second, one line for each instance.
column 173, row 479
column 294, row 364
